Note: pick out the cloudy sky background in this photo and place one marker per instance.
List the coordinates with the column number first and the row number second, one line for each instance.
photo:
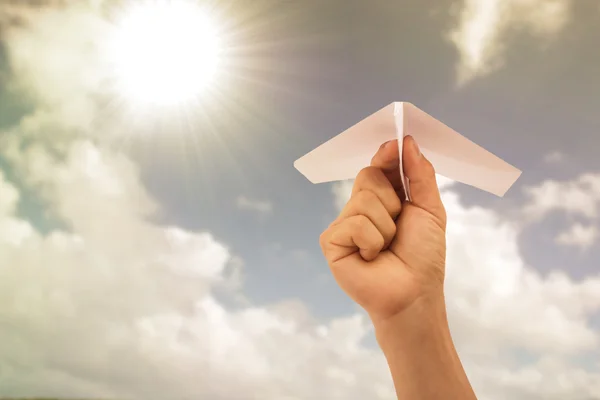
column 175, row 255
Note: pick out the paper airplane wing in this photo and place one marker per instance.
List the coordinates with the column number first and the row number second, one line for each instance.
column 452, row 155
column 342, row 157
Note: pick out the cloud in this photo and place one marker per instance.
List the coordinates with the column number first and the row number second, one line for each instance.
column 109, row 304
column 501, row 309
column 45, row 82
column 483, row 26
column 341, row 193
column 554, row 157
column 578, row 197
column 579, row 235
column 259, row 206
column 116, row 306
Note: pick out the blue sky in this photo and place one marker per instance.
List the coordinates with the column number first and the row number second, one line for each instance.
column 168, row 254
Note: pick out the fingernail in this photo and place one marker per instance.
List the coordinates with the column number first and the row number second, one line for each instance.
column 386, row 144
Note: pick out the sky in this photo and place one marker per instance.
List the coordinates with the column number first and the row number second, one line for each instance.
column 174, row 254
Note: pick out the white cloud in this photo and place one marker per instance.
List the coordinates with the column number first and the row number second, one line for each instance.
column 579, row 197
column 501, row 300
column 554, row 158
column 443, row 182
column 115, row 306
column 483, row 26
column 67, row 82
column 255, row 205
column 500, row 307
column 341, row 193
column 579, row 235
column 12, row 230
column 119, row 307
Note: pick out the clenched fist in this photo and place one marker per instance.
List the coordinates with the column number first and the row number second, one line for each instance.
column 387, row 254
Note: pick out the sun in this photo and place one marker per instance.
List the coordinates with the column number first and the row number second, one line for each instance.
column 164, row 52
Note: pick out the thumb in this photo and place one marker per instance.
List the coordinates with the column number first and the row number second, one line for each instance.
column 424, row 189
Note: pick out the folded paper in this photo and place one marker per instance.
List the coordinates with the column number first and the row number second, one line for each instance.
column 452, row 155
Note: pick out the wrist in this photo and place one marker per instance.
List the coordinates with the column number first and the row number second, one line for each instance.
column 425, row 319
column 420, row 352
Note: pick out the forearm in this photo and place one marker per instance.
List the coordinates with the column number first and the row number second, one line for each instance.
column 421, row 354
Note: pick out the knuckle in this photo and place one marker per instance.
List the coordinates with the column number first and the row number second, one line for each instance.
column 366, row 198
column 361, row 223
column 364, row 228
column 443, row 216
column 428, row 166
column 394, row 203
column 440, row 216
column 378, row 241
column 390, row 229
column 368, row 173
column 377, row 188
column 324, row 238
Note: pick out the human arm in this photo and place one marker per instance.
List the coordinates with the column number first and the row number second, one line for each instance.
column 389, row 257
column 421, row 355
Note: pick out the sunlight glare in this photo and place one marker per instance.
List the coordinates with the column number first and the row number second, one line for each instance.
column 165, row 52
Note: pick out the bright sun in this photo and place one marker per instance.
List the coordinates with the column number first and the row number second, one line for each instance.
column 164, row 52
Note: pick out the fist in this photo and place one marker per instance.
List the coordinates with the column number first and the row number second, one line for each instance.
column 385, row 253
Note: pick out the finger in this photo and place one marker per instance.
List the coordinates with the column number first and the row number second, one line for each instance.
column 387, row 159
column 374, row 180
column 353, row 234
column 424, row 189
column 367, row 203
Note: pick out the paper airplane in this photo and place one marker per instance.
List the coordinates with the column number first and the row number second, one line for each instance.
column 452, row 155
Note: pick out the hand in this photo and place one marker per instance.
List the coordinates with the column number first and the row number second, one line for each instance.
column 384, row 253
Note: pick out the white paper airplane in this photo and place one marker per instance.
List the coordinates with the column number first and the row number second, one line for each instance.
column 452, row 155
